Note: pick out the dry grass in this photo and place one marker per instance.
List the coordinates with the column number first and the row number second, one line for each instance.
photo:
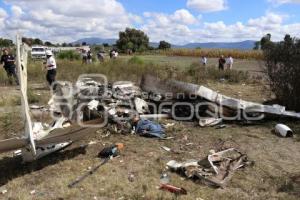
column 276, row 159
column 145, row 159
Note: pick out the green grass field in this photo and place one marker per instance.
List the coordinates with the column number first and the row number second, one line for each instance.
column 250, row 65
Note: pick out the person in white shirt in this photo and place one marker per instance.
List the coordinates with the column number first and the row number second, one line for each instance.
column 51, row 68
column 203, row 61
column 229, row 62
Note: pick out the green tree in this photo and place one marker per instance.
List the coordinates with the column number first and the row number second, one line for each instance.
column 283, row 69
column 132, row 39
column 164, row 45
column 6, row 42
column 37, row 41
column 256, row 45
column 47, row 43
column 265, row 41
column 28, row 41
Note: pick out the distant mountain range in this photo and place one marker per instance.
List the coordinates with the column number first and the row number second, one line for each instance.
column 94, row 40
column 248, row 44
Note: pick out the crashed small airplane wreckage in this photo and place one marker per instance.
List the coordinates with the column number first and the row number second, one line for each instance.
column 124, row 108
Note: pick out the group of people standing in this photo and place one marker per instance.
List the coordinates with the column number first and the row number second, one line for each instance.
column 228, row 62
column 87, row 56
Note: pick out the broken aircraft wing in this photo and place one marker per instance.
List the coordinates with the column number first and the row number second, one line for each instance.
column 155, row 85
column 12, row 144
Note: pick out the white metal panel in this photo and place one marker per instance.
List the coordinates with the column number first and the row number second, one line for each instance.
column 21, row 59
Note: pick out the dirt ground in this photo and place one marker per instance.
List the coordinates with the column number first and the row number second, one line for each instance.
column 274, row 175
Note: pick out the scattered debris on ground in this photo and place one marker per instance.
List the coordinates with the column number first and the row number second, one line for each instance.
column 106, row 154
column 216, row 170
column 124, row 108
column 173, row 189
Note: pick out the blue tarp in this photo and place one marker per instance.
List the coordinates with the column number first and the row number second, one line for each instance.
column 149, row 128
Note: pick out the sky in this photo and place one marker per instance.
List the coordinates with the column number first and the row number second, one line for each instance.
column 175, row 21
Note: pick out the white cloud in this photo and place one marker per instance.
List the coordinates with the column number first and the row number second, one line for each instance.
column 279, row 2
column 17, row 11
column 268, row 22
column 184, row 16
column 68, row 20
column 3, row 13
column 161, row 27
column 207, row 5
column 170, row 27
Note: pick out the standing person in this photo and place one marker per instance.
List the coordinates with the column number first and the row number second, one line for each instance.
column 229, row 62
column 116, row 54
column 112, row 53
column 100, row 56
column 89, row 57
column 51, row 68
column 8, row 61
column 84, row 57
column 222, row 62
column 203, row 61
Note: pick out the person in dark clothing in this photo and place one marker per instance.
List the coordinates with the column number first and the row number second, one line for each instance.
column 222, row 62
column 51, row 69
column 8, row 61
column 89, row 57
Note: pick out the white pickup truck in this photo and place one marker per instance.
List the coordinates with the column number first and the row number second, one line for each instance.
column 38, row 52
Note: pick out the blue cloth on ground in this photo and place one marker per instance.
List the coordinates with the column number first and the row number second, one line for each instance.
column 149, row 128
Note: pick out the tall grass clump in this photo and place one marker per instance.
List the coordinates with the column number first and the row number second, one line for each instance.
column 132, row 70
column 117, row 69
column 69, row 55
column 136, row 60
column 3, row 77
column 32, row 97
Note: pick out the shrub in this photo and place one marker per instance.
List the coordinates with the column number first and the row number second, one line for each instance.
column 282, row 64
column 70, row 55
column 136, row 60
column 164, row 45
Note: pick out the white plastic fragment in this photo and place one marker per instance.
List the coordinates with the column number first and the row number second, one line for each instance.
column 92, row 105
column 166, row 148
column 141, row 105
column 210, row 121
column 283, row 130
column 3, row 190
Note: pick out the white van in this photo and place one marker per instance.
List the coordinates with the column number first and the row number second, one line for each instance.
column 38, row 52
